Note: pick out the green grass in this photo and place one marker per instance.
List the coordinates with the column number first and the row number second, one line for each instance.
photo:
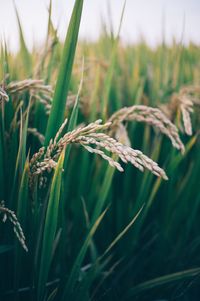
column 93, row 233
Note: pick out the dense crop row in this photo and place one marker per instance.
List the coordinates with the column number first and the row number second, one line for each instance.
column 99, row 169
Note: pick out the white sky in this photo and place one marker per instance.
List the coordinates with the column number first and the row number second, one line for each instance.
column 142, row 17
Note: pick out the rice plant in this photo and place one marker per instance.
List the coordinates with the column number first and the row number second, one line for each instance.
column 99, row 156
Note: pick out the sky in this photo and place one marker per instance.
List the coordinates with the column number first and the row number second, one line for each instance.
column 178, row 19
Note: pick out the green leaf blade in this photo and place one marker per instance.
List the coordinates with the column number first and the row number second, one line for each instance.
column 62, row 86
column 50, row 228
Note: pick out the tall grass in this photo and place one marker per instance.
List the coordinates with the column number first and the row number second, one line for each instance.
column 82, row 229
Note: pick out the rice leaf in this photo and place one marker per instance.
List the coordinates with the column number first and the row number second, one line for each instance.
column 61, row 90
column 111, row 70
column 25, row 55
column 74, row 274
column 74, row 116
column 122, row 233
column 22, row 213
column 103, row 193
column 163, row 280
column 50, row 229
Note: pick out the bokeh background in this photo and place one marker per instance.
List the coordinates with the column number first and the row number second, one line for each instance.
column 150, row 19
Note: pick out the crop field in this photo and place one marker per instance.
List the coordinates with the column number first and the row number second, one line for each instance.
column 99, row 169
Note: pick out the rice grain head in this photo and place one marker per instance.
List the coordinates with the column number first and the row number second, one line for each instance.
column 151, row 116
column 94, row 140
column 10, row 215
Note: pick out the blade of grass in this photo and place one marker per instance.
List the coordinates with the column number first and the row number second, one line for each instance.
column 65, row 186
column 73, row 277
column 103, row 193
column 74, row 116
column 21, row 155
column 61, row 90
column 111, row 70
column 25, row 55
column 22, row 213
column 97, row 267
column 50, row 229
column 122, row 233
column 179, row 276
